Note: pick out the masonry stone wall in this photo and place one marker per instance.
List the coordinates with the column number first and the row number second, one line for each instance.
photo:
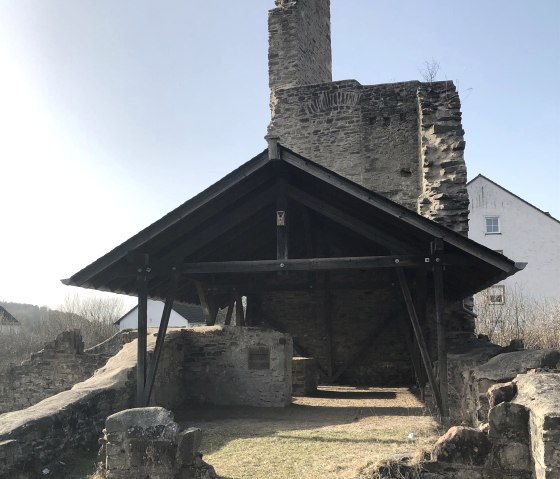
column 354, row 315
column 225, row 365
column 299, row 43
column 57, row 367
column 36, row 436
column 402, row 140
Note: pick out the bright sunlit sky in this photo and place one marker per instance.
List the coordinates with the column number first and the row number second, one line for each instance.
column 112, row 113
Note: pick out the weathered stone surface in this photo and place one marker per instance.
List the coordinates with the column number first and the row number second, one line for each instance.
column 509, row 421
column 147, row 443
column 540, row 395
column 188, row 445
column 299, row 43
column 70, row 419
column 500, row 369
column 215, row 364
column 499, row 393
column 462, row 445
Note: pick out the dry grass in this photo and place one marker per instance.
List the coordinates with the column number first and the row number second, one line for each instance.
column 336, row 435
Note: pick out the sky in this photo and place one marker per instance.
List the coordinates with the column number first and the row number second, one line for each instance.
column 113, row 113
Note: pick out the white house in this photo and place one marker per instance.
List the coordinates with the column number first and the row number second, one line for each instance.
column 182, row 316
column 506, row 223
column 8, row 324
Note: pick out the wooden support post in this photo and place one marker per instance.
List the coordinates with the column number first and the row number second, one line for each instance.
column 327, row 322
column 239, row 313
column 142, row 281
column 229, row 312
column 419, row 337
column 209, row 309
column 437, row 246
column 153, row 366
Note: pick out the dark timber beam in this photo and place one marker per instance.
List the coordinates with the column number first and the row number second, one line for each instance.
column 154, row 363
column 142, row 281
column 343, row 218
column 419, row 338
column 437, row 246
column 305, row 264
column 219, row 225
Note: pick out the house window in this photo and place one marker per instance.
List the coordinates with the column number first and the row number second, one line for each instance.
column 496, row 294
column 492, row 225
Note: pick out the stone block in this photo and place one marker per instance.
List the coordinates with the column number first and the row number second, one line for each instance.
column 462, row 445
column 502, row 392
column 509, row 420
column 188, row 445
column 513, row 456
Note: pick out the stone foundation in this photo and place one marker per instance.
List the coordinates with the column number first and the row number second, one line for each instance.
column 225, row 365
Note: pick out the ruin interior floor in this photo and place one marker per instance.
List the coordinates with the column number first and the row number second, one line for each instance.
column 332, row 435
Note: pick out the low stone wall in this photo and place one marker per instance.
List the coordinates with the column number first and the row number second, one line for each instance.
column 34, row 437
column 57, row 367
column 499, row 369
column 216, row 365
column 225, row 365
column 304, row 376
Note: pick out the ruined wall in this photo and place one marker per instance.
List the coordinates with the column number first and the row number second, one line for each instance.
column 402, row 140
column 299, row 43
column 61, row 364
column 225, row 365
column 36, row 436
column 369, row 134
column 444, row 197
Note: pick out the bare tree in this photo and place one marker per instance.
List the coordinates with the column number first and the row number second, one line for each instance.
column 430, row 70
column 535, row 321
column 97, row 308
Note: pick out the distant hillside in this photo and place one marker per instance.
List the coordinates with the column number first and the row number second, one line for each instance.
column 26, row 314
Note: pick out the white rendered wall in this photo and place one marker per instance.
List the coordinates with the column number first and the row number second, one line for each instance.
column 526, row 235
column 155, row 309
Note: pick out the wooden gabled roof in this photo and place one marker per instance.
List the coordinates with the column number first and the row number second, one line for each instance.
column 234, row 221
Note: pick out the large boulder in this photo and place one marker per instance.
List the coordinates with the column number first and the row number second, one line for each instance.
column 463, row 445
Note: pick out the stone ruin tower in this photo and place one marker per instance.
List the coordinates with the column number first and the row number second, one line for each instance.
column 402, row 140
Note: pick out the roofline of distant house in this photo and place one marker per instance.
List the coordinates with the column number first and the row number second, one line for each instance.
column 118, row 321
column 546, row 213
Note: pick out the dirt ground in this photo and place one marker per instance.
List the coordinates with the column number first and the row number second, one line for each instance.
column 334, row 435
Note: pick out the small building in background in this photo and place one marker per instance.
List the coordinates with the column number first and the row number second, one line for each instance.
column 8, row 324
column 506, row 223
column 183, row 315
